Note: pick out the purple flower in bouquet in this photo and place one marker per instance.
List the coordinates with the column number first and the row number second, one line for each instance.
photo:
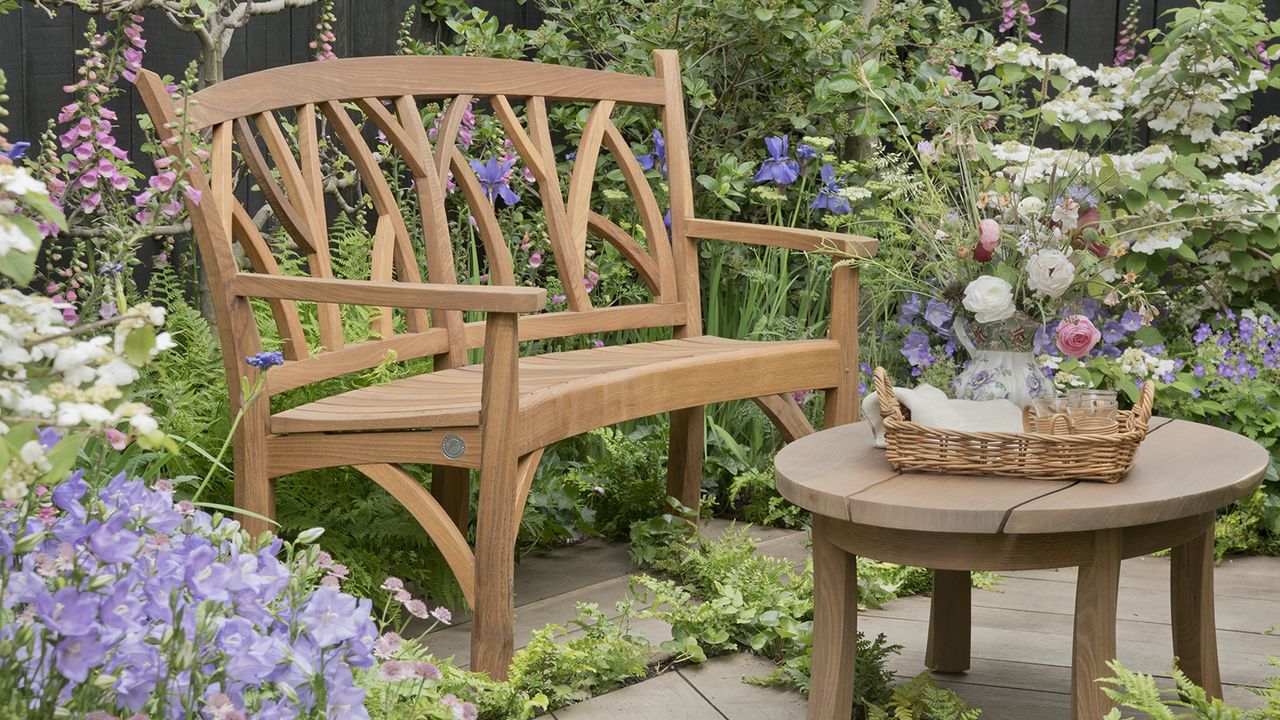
column 779, row 167
column 915, row 348
column 939, row 314
column 1112, row 332
column 909, row 310
column 1132, row 321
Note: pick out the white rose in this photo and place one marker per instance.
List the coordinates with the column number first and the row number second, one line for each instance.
column 1030, row 206
column 989, row 298
column 1050, row 272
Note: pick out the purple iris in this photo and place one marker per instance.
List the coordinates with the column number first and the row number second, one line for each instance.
column 938, row 314
column 657, row 158
column 266, row 360
column 495, row 178
column 17, row 150
column 828, row 197
column 779, row 168
column 805, row 151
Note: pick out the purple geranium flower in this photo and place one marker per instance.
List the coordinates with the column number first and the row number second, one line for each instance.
column 112, row 542
column 915, row 348
column 779, row 168
column 68, row 611
column 495, row 178
column 828, row 197
column 657, row 158
column 1131, row 321
column 330, row 617
column 939, row 314
column 1112, row 331
column 78, row 655
column 48, row 437
column 909, row 310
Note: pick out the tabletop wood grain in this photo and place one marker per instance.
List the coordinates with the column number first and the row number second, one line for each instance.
column 1183, row 469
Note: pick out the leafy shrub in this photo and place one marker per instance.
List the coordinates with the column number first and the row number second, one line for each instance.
column 919, row 699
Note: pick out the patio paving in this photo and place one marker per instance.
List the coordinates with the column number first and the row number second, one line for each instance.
column 1021, row 636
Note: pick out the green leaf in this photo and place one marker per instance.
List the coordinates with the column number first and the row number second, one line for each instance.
column 764, row 14
column 844, row 84
column 62, row 458
column 138, row 346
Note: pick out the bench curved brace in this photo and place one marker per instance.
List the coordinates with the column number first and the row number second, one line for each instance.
column 406, row 489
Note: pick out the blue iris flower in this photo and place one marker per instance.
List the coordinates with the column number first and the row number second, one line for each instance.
column 805, row 152
column 780, row 167
column 828, row 197
column 658, row 157
column 17, row 151
column 495, row 176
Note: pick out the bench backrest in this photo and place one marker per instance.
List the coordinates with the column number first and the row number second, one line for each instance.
column 280, row 121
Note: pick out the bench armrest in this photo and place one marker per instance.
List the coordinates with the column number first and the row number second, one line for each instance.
column 784, row 237
column 426, row 296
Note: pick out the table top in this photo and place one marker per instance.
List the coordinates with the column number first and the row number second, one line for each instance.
column 1182, row 469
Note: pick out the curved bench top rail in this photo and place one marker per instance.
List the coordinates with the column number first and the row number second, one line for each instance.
column 1182, row 469
column 350, row 79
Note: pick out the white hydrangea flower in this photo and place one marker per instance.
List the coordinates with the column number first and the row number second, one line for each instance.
column 18, row 181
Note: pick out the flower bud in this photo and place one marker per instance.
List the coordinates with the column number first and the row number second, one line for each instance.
column 306, row 537
column 29, row 543
column 97, row 582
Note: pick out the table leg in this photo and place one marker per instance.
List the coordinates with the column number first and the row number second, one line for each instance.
column 1195, row 641
column 835, row 626
column 950, row 620
column 1094, row 641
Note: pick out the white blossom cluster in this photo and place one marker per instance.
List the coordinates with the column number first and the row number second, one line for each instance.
column 1027, row 164
column 52, row 377
column 1183, row 94
column 1141, row 364
column 16, row 182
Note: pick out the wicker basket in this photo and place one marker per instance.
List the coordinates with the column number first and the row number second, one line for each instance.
column 1105, row 457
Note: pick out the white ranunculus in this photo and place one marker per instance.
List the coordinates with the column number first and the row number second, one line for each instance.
column 1050, row 272
column 989, row 298
column 1030, row 206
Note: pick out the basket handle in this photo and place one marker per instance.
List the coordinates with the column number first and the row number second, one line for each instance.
column 889, row 407
column 1141, row 413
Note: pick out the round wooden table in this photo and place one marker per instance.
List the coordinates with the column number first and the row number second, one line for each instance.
column 954, row 524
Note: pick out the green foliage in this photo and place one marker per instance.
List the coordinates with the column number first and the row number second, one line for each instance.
column 559, row 666
column 723, row 597
column 1185, row 701
column 919, row 699
column 754, row 496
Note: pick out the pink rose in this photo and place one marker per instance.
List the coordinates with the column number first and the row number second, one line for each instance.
column 988, row 239
column 1076, row 336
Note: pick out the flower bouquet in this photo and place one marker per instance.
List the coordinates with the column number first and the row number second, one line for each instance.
column 999, row 258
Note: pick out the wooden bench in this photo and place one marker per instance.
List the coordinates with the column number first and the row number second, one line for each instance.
column 500, row 415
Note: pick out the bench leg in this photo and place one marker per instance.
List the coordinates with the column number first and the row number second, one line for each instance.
column 451, row 487
column 835, row 626
column 497, row 524
column 255, row 491
column 949, row 622
column 684, row 458
column 1094, row 642
column 1195, row 641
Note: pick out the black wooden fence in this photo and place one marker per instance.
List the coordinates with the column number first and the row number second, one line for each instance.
column 37, row 53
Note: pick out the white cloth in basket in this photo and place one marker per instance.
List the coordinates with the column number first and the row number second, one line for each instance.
column 931, row 407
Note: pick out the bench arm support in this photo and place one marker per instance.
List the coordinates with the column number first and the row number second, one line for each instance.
column 783, row 237
column 427, row 296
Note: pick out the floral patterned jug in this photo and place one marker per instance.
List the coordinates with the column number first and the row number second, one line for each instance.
column 1002, row 364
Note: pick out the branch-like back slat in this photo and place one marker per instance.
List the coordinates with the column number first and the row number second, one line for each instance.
column 584, row 173
column 222, row 181
column 496, row 251
column 536, row 152
column 329, row 314
column 284, row 312
column 384, row 200
column 435, row 224
column 645, row 265
column 290, row 218
column 655, row 228
column 384, row 238
column 447, row 132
